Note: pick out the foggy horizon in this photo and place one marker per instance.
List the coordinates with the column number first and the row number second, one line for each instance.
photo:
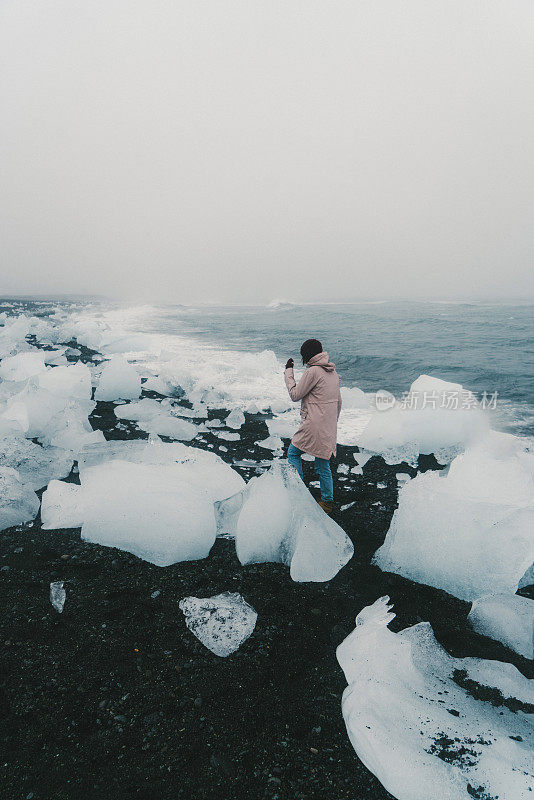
column 239, row 153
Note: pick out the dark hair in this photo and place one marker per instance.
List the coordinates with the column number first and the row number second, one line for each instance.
column 309, row 349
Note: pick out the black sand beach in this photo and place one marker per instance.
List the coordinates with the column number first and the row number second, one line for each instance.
column 115, row 698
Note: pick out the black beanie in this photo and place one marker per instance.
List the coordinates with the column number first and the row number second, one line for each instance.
column 310, row 348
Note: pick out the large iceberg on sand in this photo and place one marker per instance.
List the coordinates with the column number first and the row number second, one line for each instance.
column 119, row 380
column 436, row 417
column 433, row 727
column 18, row 502
column 222, row 623
column 276, row 519
column 506, row 618
column 152, row 499
column 470, row 529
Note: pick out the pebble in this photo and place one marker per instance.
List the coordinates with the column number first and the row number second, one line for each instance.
column 65, row 557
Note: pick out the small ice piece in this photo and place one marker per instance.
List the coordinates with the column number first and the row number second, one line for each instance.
column 508, row 618
column 119, row 380
column 356, row 471
column 279, row 521
column 223, row 449
column 228, row 436
column 307, row 457
column 381, row 486
column 271, row 443
column 403, row 477
column 343, row 469
column 174, row 428
column 416, row 719
column 222, row 623
column 18, row 502
column 214, row 423
column 252, row 408
column 362, row 457
column 235, row 419
column 141, row 411
column 57, row 595
column 348, row 505
column 315, row 484
column 62, row 506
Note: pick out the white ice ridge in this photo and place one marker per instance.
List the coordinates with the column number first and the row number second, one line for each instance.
column 417, row 719
column 470, row 528
column 506, row 618
column 152, row 499
column 444, row 420
column 222, row 623
column 276, row 519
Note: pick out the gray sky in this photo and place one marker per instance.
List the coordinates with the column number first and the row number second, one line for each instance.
column 243, row 150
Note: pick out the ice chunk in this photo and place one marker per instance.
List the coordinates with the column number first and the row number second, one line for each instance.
column 469, row 529
column 362, row 458
column 36, row 465
column 154, row 500
column 154, row 417
column 222, row 623
column 160, row 514
column 22, row 366
column 403, row 477
column 73, row 381
column 142, row 411
column 343, row 469
column 228, row 436
column 356, row 470
column 508, row 618
column 271, row 443
column 119, row 380
column 235, row 419
column 355, row 398
column 284, row 425
column 62, row 506
column 279, row 521
column 438, row 417
column 417, row 719
column 18, row 502
column 58, row 595
column 214, row 423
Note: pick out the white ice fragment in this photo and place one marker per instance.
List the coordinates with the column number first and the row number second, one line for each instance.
column 439, row 417
column 235, row 419
column 277, row 520
column 23, row 365
column 71, row 381
column 508, row 618
column 58, row 595
column 252, row 408
column 119, row 380
column 362, row 457
column 271, row 443
column 416, row 723
column 380, row 485
column 469, row 528
column 62, row 506
column 228, row 436
column 18, row 502
column 343, row 469
column 403, row 477
column 356, row 471
column 36, row 465
column 348, row 505
column 222, row 623
column 214, row 423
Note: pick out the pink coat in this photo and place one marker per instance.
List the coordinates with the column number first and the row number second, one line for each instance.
column 318, row 390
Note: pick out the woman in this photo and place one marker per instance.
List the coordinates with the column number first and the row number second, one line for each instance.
column 318, row 391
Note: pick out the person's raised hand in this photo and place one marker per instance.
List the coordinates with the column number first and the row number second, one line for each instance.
column 290, row 363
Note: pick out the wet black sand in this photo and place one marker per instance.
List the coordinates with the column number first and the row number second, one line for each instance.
column 116, row 699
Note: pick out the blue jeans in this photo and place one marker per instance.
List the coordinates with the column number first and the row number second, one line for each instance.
column 322, row 468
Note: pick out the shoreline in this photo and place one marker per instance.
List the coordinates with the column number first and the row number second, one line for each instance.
column 116, row 698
